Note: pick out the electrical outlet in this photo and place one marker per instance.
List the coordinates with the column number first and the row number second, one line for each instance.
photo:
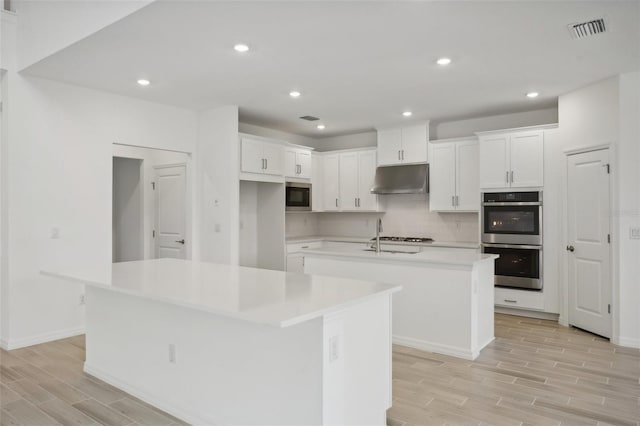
column 216, row 227
column 82, row 299
column 334, row 348
column 634, row 233
column 172, row 353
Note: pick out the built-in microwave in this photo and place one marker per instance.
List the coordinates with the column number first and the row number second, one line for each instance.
column 297, row 196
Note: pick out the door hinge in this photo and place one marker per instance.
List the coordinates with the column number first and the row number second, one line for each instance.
column 609, row 238
column 609, row 307
column 153, row 185
column 153, row 233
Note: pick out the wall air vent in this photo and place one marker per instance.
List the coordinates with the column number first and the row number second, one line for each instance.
column 586, row 29
column 309, row 118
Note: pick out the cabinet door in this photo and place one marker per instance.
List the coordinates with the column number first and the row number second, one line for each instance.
column 295, row 263
column 366, row 176
column 467, row 173
column 304, row 163
column 494, row 164
column 317, row 183
column 389, row 146
column 331, row 171
column 251, row 156
column 414, row 144
column 349, row 181
column 290, row 163
column 442, row 177
column 274, row 156
column 527, row 159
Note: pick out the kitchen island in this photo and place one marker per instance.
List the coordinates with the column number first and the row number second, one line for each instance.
column 446, row 305
column 220, row 344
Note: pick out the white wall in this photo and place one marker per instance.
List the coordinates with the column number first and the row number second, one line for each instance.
column 127, row 220
column 218, row 155
column 357, row 140
column 49, row 26
column 468, row 127
column 265, row 132
column 301, row 224
column 627, row 214
column 59, row 175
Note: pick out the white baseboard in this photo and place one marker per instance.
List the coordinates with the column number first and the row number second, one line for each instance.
column 160, row 404
column 628, row 342
column 40, row 338
column 527, row 313
column 436, row 347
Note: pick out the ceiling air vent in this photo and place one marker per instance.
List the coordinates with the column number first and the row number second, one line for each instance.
column 586, row 29
column 309, row 118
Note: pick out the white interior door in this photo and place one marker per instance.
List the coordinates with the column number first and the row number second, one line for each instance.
column 170, row 212
column 588, row 247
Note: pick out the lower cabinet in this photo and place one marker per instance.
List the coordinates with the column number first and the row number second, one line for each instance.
column 520, row 299
column 295, row 262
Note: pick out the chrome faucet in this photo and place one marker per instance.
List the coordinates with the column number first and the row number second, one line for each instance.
column 378, row 231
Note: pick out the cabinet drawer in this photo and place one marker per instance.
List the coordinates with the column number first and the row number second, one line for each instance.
column 296, row 247
column 521, row 299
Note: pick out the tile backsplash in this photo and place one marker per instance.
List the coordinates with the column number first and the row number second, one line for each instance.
column 404, row 215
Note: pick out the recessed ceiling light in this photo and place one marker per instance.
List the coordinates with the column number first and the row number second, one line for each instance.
column 294, row 94
column 443, row 61
column 320, row 126
column 407, row 113
column 144, row 82
column 532, row 95
column 241, row 48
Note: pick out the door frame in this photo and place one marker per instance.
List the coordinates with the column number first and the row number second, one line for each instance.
column 613, row 254
column 188, row 247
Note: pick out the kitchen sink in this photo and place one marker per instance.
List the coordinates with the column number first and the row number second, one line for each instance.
column 392, row 251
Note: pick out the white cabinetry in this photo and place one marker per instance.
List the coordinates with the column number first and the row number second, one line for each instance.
column 295, row 259
column 521, row 299
column 261, row 157
column 331, row 179
column 405, row 145
column 297, row 163
column 453, row 175
column 317, row 183
column 512, row 159
column 357, row 172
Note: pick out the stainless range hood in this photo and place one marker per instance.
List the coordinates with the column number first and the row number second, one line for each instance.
column 409, row 179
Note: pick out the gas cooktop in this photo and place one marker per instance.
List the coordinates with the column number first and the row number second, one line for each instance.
column 406, row 239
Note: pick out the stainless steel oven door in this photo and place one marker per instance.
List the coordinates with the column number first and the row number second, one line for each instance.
column 519, row 266
column 512, row 223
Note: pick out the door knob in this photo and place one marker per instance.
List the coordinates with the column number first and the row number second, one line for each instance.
column 180, row 241
column 571, row 248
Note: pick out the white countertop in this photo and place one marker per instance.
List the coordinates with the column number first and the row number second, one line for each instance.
column 261, row 296
column 364, row 240
column 428, row 257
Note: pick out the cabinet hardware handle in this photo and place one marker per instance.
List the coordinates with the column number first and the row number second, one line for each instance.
column 507, row 176
column 398, row 154
column 305, row 247
column 355, row 202
column 457, row 201
column 266, row 164
column 336, row 202
column 510, row 301
column 453, row 200
column 180, row 241
column 511, row 176
column 402, row 154
column 359, row 205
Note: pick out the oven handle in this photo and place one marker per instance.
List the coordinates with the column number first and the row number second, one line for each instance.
column 523, row 203
column 515, row 246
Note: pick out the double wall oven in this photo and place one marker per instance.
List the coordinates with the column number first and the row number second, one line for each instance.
column 512, row 228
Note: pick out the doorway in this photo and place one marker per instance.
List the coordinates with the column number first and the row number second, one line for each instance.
column 163, row 201
column 588, row 248
column 127, row 216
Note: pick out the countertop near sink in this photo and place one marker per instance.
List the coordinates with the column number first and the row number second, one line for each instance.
column 451, row 244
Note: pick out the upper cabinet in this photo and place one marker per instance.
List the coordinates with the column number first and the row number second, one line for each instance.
column 453, row 175
column 261, row 157
column 403, row 145
column 357, row 173
column 331, row 182
column 317, row 183
column 297, row 163
column 512, row 159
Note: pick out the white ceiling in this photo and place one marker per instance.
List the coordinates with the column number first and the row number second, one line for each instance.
column 357, row 64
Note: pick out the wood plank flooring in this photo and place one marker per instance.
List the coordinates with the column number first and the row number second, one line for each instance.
column 535, row 373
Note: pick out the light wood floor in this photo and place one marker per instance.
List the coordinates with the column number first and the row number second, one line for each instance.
column 536, row 372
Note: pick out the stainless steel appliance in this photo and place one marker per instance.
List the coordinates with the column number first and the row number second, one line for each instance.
column 297, row 196
column 512, row 229
column 404, row 179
